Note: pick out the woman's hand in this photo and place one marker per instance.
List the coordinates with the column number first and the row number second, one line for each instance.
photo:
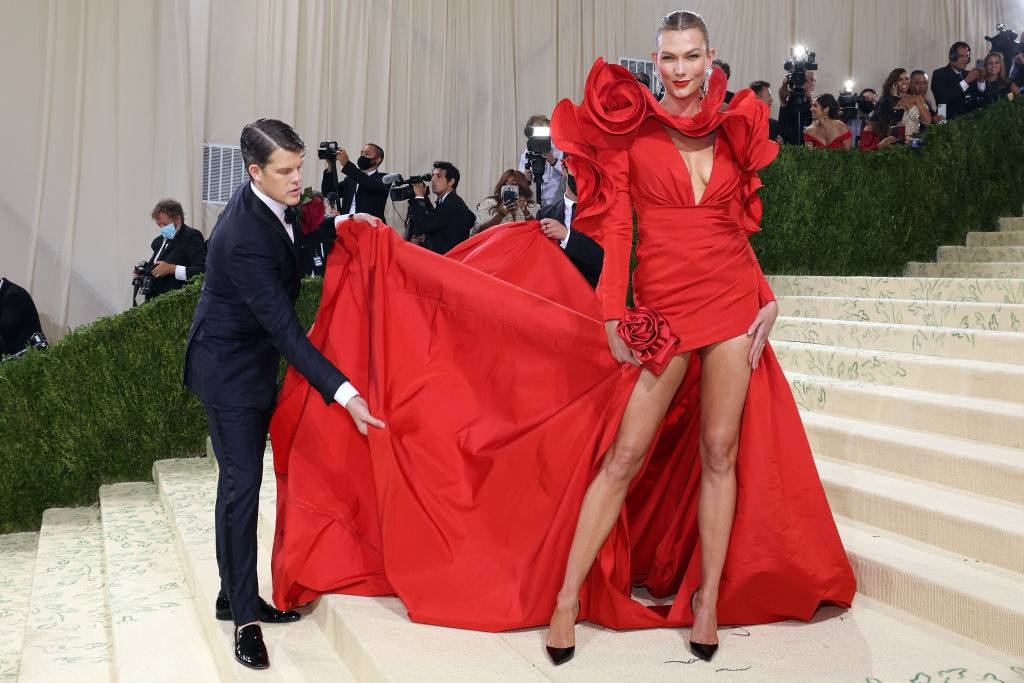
column 759, row 330
column 620, row 349
column 365, row 218
column 887, row 141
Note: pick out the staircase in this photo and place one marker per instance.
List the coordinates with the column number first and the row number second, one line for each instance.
column 911, row 393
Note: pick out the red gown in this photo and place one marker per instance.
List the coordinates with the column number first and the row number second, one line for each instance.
column 837, row 143
column 491, row 368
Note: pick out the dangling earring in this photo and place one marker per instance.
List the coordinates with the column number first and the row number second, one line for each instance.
column 707, row 79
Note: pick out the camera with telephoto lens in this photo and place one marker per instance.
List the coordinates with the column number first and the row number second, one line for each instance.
column 797, row 66
column 1004, row 41
column 142, row 278
column 401, row 188
column 328, row 150
column 538, row 143
column 37, row 341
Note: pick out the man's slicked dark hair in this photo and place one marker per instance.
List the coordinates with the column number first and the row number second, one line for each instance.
column 450, row 172
column 261, row 137
column 758, row 86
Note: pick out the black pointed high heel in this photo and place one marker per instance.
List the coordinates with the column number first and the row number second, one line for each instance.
column 561, row 655
column 704, row 651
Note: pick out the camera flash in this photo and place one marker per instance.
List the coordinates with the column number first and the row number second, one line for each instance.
column 848, row 85
column 542, row 131
column 799, row 51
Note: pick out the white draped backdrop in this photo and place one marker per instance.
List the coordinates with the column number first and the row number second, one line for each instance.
column 108, row 102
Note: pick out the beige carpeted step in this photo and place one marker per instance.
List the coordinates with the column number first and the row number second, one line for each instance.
column 1011, row 224
column 995, row 422
column 968, row 378
column 979, row 601
column 998, row 347
column 1002, row 254
column 146, row 591
column 298, row 651
column 982, row 528
column 996, row 239
column 983, row 290
column 17, row 561
column 67, row 634
column 967, row 315
column 1000, row 270
column 969, row 466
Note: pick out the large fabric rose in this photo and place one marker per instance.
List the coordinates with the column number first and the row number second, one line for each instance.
column 311, row 214
column 647, row 332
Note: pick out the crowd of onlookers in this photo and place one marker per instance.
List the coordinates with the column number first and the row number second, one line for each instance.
column 907, row 103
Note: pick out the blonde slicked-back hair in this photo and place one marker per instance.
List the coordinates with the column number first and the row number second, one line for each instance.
column 680, row 20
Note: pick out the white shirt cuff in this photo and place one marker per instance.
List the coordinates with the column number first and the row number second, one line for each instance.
column 981, row 85
column 565, row 242
column 964, row 85
column 345, row 393
column 179, row 272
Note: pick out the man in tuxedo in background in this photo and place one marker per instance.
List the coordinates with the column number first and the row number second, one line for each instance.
column 556, row 223
column 1016, row 74
column 954, row 86
column 244, row 322
column 362, row 190
column 179, row 253
column 763, row 91
column 439, row 227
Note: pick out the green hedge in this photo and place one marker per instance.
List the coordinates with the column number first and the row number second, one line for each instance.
column 832, row 212
column 107, row 401
column 100, row 407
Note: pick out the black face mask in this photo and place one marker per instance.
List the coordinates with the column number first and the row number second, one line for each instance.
column 364, row 163
column 571, row 183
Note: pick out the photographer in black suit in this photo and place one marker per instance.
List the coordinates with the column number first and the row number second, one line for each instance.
column 19, row 319
column 362, row 190
column 953, row 85
column 244, row 322
column 439, row 227
column 556, row 223
column 179, row 253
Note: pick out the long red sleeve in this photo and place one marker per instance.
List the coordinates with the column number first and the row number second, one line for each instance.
column 615, row 236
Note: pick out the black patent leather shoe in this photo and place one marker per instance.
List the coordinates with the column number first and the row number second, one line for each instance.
column 267, row 613
column 560, row 655
column 249, row 648
column 704, row 651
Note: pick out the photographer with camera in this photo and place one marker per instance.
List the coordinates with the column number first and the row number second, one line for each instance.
column 363, row 189
column 957, row 90
column 439, row 227
column 19, row 320
column 795, row 96
column 552, row 175
column 179, row 253
column 511, row 201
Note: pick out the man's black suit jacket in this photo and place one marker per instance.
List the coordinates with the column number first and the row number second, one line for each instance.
column 444, row 225
column 368, row 188
column 586, row 254
column 188, row 248
column 19, row 318
column 947, row 91
column 246, row 318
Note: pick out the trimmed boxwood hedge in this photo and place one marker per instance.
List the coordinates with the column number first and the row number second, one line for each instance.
column 107, row 401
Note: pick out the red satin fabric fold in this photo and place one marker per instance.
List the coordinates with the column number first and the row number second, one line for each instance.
column 499, row 402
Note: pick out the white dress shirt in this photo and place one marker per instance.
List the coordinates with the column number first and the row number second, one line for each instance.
column 346, row 391
column 570, row 208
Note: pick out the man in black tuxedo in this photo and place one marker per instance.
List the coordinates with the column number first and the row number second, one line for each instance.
column 179, row 252
column 362, row 190
column 763, row 91
column 1016, row 74
column 954, row 86
column 439, row 227
column 556, row 223
column 19, row 318
column 244, row 322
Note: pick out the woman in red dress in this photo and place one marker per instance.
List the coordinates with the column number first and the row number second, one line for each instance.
column 828, row 131
column 523, row 466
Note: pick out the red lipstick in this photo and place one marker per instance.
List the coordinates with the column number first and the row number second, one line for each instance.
column 681, row 84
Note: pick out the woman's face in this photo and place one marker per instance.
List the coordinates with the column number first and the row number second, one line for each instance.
column 816, row 110
column 681, row 59
column 903, row 83
column 992, row 66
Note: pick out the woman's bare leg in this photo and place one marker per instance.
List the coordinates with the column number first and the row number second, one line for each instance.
column 724, row 377
column 603, row 501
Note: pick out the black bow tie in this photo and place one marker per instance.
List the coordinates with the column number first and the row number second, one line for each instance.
column 289, row 215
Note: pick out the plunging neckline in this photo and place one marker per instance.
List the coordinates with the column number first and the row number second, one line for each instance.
column 689, row 176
